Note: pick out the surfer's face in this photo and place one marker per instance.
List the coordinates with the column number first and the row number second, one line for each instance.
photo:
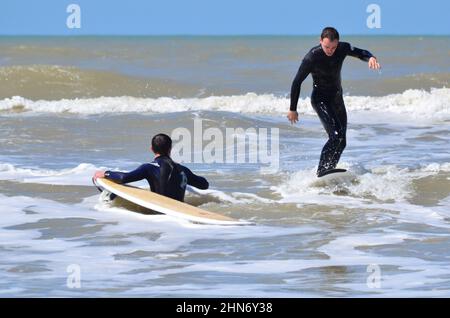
column 329, row 46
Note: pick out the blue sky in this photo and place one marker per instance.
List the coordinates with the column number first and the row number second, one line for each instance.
column 226, row 17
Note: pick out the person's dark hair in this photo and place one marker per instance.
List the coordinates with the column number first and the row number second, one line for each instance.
column 161, row 143
column 330, row 33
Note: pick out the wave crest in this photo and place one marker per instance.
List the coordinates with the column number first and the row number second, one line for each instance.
column 420, row 104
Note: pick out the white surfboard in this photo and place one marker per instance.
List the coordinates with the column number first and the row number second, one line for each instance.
column 334, row 178
column 162, row 204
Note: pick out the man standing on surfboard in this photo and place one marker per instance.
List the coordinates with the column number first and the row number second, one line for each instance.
column 324, row 62
column 164, row 176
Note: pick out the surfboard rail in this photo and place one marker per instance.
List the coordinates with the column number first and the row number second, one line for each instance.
column 334, row 177
column 168, row 206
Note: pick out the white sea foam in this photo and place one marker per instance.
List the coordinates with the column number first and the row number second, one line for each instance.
column 383, row 183
column 183, row 251
column 80, row 175
column 413, row 103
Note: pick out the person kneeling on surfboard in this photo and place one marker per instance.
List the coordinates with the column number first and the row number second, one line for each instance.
column 324, row 62
column 164, row 176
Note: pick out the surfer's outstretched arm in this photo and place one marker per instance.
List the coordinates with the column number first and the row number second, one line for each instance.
column 194, row 180
column 363, row 55
column 302, row 73
column 126, row 177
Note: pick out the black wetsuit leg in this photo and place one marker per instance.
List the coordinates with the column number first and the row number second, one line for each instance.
column 332, row 114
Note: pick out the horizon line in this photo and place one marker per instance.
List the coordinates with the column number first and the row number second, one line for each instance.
column 219, row 35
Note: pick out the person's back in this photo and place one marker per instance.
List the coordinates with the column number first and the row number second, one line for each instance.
column 163, row 175
column 173, row 179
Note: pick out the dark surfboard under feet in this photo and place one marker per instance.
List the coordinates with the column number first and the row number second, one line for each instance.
column 324, row 173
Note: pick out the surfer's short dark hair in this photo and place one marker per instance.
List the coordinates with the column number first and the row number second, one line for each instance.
column 161, row 143
column 329, row 33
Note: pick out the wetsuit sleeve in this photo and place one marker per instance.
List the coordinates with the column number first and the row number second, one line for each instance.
column 303, row 72
column 194, row 180
column 359, row 53
column 126, row 177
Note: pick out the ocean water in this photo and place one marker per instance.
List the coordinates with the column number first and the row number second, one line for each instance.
column 71, row 106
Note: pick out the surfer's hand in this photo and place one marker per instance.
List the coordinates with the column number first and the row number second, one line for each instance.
column 292, row 116
column 99, row 174
column 373, row 63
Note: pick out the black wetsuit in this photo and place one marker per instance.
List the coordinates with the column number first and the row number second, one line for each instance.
column 164, row 177
column 326, row 97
